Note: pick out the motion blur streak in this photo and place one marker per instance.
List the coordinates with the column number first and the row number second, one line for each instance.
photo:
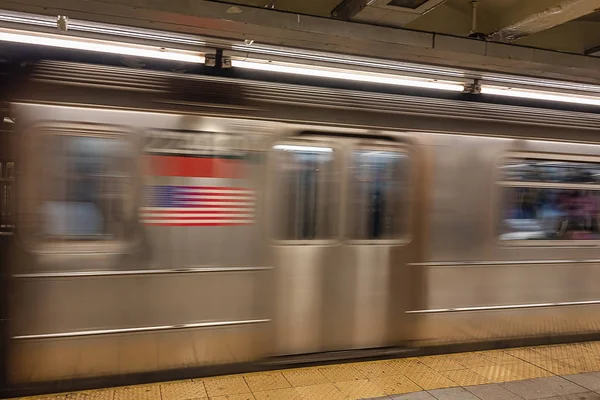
column 214, row 221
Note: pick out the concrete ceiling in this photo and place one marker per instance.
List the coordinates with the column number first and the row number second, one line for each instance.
column 563, row 25
column 311, row 7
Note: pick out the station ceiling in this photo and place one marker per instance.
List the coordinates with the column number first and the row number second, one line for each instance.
column 564, row 25
column 552, row 39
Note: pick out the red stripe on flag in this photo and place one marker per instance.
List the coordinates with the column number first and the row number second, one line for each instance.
column 216, row 188
column 201, row 224
column 199, row 219
column 241, row 205
column 194, row 167
column 241, row 195
column 191, row 212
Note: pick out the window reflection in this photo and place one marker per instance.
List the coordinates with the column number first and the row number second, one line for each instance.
column 305, row 186
column 87, row 188
column 535, row 170
column 377, row 192
column 547, row 200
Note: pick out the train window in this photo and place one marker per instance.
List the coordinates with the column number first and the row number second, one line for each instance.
column 550, row 200
column 306, row 185
column 86, row 195
column 536, row 170
column 378, row 185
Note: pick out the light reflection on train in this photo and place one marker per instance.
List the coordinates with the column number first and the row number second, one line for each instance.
column 154, row 234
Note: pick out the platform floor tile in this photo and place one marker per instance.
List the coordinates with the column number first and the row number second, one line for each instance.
column 327, row 391
column 342, row 373
column 150, row 392
column 588, row 380
column 226, row 386
column 304, row 377
column 266, row 381
column 492, row 391
column 563, row 372
column 103, row 394
column 182, row 390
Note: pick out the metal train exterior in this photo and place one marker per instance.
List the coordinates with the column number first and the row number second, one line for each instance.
column 166, row 222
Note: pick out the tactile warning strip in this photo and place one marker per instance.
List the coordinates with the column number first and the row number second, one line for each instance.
column 452, row 376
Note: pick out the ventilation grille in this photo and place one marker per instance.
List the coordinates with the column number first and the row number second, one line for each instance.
column 395, row 12
column 411, row 4
column 209, row 92
column 98, row 76
column 177, row 90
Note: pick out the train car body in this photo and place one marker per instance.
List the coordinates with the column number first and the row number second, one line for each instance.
column 166, row 222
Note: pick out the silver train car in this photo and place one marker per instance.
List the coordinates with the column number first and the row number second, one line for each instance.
column 167, row 222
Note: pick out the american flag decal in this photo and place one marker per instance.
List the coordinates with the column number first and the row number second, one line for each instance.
column 198, row 206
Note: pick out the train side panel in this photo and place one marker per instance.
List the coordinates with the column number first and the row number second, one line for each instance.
column 179, row 283
column 481, row 287
column 158, row 229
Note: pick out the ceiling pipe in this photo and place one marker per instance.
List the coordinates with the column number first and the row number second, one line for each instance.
column 474, row 4
column 564, row 11
column 474, row 32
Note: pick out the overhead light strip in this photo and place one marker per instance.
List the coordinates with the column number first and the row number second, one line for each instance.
column 539, row 84
column 540, row 95
column 349, row 75
column 411, row 81
column 332, row 66
column 100, row 46
column 76, row 25
column 256, row 50
column 175, row 38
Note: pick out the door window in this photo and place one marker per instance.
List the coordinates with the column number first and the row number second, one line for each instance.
column 82, row 188
column 377, row 194
column 305, row 189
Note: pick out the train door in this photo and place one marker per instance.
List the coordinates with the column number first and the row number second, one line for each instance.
column 305, row 190
column 370, row 280
column 340, row 229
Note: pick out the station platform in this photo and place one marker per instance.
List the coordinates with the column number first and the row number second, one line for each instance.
column 570, row 371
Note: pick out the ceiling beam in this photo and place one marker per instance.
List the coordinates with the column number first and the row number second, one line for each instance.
column 554, row 14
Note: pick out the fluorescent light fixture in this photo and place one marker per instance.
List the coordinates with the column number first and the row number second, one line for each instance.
column 540, row 95
column 314, row 149
column 100, row 46
column 351, row 75
column 8, row 120
column 76, row 25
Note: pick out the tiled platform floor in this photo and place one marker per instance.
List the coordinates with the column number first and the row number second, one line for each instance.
column 547, row 372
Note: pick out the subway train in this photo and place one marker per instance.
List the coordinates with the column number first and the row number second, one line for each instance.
column 166, row 222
